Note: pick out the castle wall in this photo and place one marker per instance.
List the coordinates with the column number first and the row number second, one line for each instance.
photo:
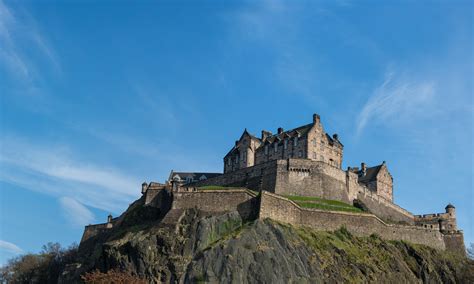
column 311, row 178
column 218, row 201
column 93, row 230
column 305, row 177
column 454, row 242
column 262, row 176
column 360, row 224
column 384, row 208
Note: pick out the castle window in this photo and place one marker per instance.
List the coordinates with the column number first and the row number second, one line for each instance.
column 315, row 156
column 315, row 143
column 295, row 141
column 266, row 149
column 276, row 147
column 285, row 144
column 300, row 154
column 237, row 159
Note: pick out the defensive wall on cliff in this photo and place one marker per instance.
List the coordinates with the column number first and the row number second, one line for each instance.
column 250, row 205
column 304, row 177
column 218, row 201
column 361, row 224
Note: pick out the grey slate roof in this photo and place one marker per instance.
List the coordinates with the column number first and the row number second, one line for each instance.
column 370, row 174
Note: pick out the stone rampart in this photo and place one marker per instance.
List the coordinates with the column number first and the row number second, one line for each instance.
column 383, row 207
column 360, row 224
column 311, row 178
column 218, row 201
column 93, row 230
column 259, row 177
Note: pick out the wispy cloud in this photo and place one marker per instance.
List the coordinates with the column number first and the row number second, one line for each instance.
column 56, row 171
column 76, row 212
column 15, row 33
column 10, row 247
column 397, row 99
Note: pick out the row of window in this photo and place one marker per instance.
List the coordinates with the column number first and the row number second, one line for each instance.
column 285, row 145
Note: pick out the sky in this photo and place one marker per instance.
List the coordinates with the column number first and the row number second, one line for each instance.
column 97, row 97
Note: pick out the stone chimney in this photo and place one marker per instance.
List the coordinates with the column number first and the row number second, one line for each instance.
column 363, row 168
column 280, row 130
column 109, row 221
column 316, row 118
column 265, row 134
column 144, row 187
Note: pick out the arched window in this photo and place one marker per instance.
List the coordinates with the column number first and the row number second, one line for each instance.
column 295, row 141
column 276, row 147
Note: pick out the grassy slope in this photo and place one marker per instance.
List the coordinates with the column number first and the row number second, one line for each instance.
column 320, row 203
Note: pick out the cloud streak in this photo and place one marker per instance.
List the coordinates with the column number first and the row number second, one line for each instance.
column 76, row 212
column 16, row 32
column 10, row 247
column 54, row 170
column 396, row 100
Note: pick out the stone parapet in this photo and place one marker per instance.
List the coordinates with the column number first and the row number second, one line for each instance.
column 361, row 224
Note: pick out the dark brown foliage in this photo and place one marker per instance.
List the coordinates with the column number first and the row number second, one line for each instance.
column 112, row 276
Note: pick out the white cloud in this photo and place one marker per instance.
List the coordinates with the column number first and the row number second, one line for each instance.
column 76, row 212
column 10, row 247
column 397, row 100
column 16, row 32
column 53, row 170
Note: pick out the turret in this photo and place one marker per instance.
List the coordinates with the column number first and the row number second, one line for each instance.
column 451, row 210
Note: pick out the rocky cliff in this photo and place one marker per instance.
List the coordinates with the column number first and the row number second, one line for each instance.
column 187, row 247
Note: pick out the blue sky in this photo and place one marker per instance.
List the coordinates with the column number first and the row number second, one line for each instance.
column 97, row 97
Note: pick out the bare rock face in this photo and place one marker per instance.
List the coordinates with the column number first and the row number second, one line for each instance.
column 227, row 249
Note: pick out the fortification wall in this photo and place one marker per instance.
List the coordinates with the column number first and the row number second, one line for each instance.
column 455, row 242
column 384, row 208
column 218, row 201
column 311, row 178
column 93, row 230
column 262, row 176
column 361, row 224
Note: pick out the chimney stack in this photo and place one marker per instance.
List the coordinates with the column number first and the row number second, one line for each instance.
column 109, row 218
column 335, row 136
column 144, row 187
column 316, row 118
column 363, row 168
column 236, row 142
column 280, row 130
column 265, row 134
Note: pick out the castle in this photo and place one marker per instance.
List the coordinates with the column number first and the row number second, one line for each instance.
column 296, row 177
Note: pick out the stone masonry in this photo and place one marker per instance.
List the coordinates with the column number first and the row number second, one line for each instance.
column 304, row 161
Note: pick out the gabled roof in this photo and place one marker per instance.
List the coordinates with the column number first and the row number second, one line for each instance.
column 299, row 131
column 370, row 174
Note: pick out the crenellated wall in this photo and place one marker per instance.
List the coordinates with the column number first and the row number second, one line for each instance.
column 361, row 224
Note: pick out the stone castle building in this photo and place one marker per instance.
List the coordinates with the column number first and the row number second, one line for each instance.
column 301, row 162
column 304, row 142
